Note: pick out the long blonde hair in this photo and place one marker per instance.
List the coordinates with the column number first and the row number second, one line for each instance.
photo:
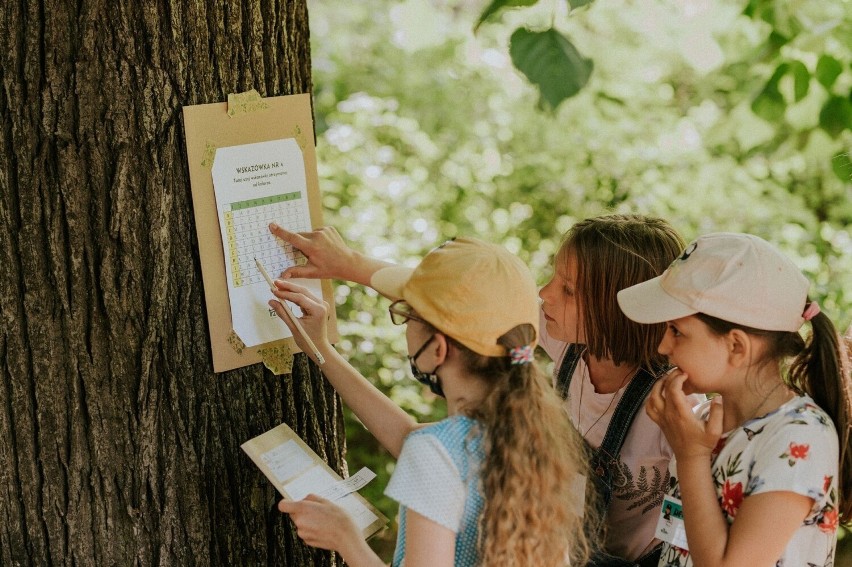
column 533, row 462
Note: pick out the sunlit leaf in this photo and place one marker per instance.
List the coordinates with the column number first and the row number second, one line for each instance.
column 574, row 4
column 761, row 9
column 827, row 70
column 801, row 79
column 842, row 167
column 770, row 104
column 551, row 62
column 780, row 71
column 836, row 115
column 499, row 5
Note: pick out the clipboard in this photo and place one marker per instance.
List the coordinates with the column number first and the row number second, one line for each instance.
column 296, row 470
column 245, row 119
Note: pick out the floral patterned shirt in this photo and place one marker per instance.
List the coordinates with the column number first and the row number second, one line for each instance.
column 792, row 449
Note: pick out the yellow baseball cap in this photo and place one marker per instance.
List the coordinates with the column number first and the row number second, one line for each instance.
column 470, row 290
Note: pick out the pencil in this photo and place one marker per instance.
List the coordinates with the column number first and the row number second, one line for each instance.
column 292, row 317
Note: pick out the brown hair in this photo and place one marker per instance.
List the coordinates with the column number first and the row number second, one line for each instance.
column 532, row 453
column 819, row 368
column 615, row 252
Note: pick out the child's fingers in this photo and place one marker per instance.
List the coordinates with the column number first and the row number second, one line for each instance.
column 656, row 403
column 288, row 506
column 289, row 286
column 293, row 238
column 715, row 419
column 307, row 272
column 309, row 307
column 314, row 498
column 675, row 394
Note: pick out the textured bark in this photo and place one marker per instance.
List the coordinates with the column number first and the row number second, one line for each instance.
column 118, row 443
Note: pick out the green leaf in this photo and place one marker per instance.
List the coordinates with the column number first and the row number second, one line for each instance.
column 780, row 71
column 498, row 6
column 836, row 115
column 574, row 4
column 770, row 104
column 827, row 70
column 801, row 79
column 551, row 62
column 841, row 164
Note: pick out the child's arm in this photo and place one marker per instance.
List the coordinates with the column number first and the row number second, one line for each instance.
column 765, row 523
column 427, row 543
column 328, row 256
column 383, row 418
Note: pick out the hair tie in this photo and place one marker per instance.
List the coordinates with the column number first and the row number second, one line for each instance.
column 811, row 311
column 521, row 354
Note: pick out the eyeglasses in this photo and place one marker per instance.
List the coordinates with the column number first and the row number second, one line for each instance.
column 401, row 313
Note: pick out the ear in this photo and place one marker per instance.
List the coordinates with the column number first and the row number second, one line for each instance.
column 740, row 348
column 441, row 348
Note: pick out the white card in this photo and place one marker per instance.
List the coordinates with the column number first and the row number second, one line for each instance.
column 670, row 527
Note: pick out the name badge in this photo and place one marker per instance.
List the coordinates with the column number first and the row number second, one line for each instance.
column 670, row 528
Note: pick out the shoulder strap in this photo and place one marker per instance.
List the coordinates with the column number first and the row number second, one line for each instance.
column 605, row 458
column 625, row 412
column 567, row 367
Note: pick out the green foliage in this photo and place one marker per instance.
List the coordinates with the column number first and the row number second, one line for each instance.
column 425, row 132
column 547, row 58
column 827, row 70
column 497, row 6
column 551, row 62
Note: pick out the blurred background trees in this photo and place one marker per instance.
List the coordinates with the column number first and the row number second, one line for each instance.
column 715, row 114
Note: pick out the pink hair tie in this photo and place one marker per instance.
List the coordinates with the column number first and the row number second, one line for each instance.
column 521, row 354
column 811, row 311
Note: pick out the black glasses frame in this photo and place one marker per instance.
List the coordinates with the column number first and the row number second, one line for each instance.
column 401, row 313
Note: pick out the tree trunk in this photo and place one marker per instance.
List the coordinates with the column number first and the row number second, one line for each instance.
column 118, row 443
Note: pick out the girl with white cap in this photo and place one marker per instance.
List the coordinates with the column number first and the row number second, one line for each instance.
column 495, row 482
column 762, row 472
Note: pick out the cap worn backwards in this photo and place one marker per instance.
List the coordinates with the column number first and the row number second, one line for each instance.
column 472, row 291
column 739, row 278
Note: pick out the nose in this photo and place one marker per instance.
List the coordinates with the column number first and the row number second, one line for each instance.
column 664, row 347
column 544, row 292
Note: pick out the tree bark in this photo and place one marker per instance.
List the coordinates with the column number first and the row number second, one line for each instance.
column 118, row 443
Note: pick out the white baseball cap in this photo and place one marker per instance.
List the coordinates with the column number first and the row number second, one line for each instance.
column 739, row 278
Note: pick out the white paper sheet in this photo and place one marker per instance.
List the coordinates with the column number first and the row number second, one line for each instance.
column 296, row 471
column 317, row 480
column 256, row 184
column 287, row 460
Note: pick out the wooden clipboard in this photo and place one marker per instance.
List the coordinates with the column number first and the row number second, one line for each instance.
column 242, row 120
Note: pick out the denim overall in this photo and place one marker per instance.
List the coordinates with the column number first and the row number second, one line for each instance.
column 604, row 459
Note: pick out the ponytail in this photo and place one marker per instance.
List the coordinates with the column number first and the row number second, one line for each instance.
column 821, row 370
column 533, row 456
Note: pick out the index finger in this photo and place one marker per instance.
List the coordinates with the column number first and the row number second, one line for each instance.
column 288, row 506
column 675, row 394
column 289, row 286
column 316, row 498
column 657, row 390
column 294, row 238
